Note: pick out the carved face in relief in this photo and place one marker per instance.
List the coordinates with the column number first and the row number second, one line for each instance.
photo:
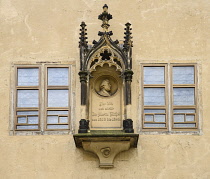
column 105, row 88
column 105, row 85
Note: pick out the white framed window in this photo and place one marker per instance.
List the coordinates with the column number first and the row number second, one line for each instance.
column 170, row 101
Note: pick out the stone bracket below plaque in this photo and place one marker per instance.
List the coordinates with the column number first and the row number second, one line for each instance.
column 106, row 144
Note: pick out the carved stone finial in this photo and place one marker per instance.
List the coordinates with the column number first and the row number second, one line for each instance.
column 83, row 38
column 105, row 17
column 128, row 42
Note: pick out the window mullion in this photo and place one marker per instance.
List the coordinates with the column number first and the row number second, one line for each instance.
column 42, row 97
column 170, row 88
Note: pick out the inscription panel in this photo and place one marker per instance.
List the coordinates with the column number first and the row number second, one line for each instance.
column 106, row 113
column 106, row 110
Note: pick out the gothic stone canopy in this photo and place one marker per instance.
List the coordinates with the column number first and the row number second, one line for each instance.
column 105, row 50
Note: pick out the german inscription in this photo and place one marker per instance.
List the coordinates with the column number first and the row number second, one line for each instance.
column 106, row 110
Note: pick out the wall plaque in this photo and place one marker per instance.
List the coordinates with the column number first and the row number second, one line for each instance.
column 105, row 76
column 106, row 127
column 106, row 103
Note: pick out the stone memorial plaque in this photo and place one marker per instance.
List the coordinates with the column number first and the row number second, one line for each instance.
column 106, row 103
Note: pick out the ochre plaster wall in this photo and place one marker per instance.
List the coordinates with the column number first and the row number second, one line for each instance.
column 48, row 30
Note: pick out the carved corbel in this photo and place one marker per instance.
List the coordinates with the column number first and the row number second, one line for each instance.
column 106, row 145
column 106, row 151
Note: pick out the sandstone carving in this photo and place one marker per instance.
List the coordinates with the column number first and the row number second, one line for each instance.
column 105, row 88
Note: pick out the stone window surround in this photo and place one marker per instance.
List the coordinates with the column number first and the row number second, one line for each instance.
column 42, row 65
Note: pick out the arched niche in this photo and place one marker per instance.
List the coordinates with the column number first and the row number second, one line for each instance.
column 103, row 65
column 106, row 99
column 106, row 104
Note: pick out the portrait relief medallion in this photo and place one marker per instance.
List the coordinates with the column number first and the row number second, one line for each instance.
column 105, row 86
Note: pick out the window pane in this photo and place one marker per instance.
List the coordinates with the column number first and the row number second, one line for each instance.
column 52, row 119
column 57, row 126
column 179, row 118
column 58, row 98
column 154, row 125
column 184, row 125
column 160, row 118
column 183, row 75
column 28, row 76
column 184, row 96
column 190, row 118
column 27, row 113
column 21, row 120
column 27, row 98
column 154, row 75
column 184, row 110
column 63, row 119
column 28, row 127
column 154, row 96
column 154, row 111
column 33, row 120
column 58, row 76
column 57, row 112
column 148, row 118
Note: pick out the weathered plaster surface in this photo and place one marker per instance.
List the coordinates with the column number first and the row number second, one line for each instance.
column 48, row 30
